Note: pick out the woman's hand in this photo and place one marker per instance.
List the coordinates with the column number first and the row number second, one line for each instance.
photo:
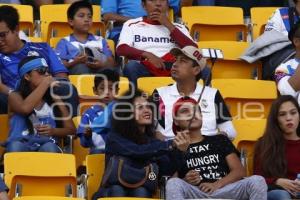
column 193, row 177
column 289, row 185
column 44, row 129
column 209, row 187
column 182, row 140
column 50, row 81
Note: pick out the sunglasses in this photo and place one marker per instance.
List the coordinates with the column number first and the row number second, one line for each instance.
column 42, row 70
column 4, row 34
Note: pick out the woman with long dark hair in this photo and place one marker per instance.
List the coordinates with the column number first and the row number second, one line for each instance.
column 48, row 117
column 132, row 139
column 277, row 152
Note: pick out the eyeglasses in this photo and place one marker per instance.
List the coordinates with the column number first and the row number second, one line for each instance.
column 4, row 34
column 42, row 70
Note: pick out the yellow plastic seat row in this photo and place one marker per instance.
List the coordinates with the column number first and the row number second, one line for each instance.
column 215, row 23
column 248, row 132
column 247, row 99
column 259, row 18
column 231, row 66
column 40, row 173
column 46, row 198
column 4, row 130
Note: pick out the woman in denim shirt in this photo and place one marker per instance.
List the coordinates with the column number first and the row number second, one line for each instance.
column 133, row 138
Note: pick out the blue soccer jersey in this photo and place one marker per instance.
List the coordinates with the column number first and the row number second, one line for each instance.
column 9, row 62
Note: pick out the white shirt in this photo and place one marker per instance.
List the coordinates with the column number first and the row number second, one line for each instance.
column 214, row 112
column 149, row 37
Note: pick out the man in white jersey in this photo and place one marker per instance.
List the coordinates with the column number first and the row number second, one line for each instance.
column 186, row 71
column 148, row 40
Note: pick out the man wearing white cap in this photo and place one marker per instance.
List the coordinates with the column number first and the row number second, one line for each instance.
column 186, row 71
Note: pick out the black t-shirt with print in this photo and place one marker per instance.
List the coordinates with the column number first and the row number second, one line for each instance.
column 208, row 157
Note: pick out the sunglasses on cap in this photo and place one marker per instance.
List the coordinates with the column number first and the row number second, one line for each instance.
column 42, row 70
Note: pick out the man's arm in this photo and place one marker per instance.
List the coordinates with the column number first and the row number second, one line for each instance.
column 294, row 80
column 115, row 17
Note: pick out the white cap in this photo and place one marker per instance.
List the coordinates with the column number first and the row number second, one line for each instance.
column 191, row 52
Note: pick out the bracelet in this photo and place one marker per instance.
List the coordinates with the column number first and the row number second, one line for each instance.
column 10, row 91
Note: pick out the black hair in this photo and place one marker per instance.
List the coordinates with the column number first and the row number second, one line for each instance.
column 10, row 16
column 110, row 75
column 294, row 32
column 270, row 148
column 124, row 123
column 74, row 7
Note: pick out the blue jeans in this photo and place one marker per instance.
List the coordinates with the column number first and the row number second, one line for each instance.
column 278, row 195
column 205, row 2
column 120, row 191
column 18, row 146
column 3, row 103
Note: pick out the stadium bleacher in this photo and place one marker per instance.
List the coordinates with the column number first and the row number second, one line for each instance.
column 214, row 27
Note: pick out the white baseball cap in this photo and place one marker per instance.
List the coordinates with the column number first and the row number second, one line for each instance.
column 192, row 53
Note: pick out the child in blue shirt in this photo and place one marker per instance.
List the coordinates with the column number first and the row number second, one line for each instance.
column 106, row 86
column 82, row 52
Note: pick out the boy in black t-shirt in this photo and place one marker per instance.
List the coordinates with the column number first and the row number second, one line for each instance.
column 211, row 167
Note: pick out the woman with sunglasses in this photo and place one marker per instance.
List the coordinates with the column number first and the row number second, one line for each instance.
column 49, row 118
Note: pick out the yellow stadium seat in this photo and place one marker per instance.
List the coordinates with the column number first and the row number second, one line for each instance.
column 79, row 151
column 111, row 45
column 35, row 39
column 46, row 198
column 248, row 131
column 26, row 17
column 4, row 130
column 95, row 165
column 231, row 66
column 148, row 84
column 215, row 23
column 40, row 173
column 54, row 21
column 247, row 98
column 259, row 18
column 53, row 41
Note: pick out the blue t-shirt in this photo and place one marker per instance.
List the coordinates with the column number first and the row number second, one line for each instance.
column 9, row 62
column 131, row 8
column 69, row 47
column 96, row 141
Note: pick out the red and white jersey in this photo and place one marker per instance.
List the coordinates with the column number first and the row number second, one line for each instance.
column 154, row 38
